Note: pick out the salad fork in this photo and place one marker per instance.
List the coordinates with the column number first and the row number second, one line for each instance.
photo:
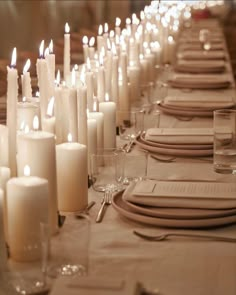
column 106, row 202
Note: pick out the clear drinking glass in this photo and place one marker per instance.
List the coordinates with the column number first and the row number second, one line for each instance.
column 225, row 141
column 135, row 167
column 131, row 124
column 107, row 169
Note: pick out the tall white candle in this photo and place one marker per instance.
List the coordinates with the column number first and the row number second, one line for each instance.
column 134, row 79
column 3, row 250
column 101, row 80
column 82, row 114
column 26, row 81
column 27, row 207
column 92, row 139
column 108, row 108
column 114, row 76
column 72, row 177
column 100, row 39
column 12, row 97
column 66, row 73
column 99, row 117
column 4, row 145
column 50, row 58
column 89, row 83
column 43, row 81
column 108, row 71
column 144, row 70
column 37, row 149
column 91, row 48
column 49, row 121
column 117, row 26
column 85, row 48
column 124, row 102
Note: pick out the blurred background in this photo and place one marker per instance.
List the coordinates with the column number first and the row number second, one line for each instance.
column 24, row 23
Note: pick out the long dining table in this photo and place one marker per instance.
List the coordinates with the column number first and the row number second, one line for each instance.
column 175, row 266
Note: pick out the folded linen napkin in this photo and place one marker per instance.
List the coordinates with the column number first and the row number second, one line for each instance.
column 95, row 285
column 201, row 102
column 201, row 55
column 182, row 194
column 180, row 135
column 198, row 66
column 199, row 81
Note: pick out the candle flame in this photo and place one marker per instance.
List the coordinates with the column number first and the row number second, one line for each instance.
column 41, row 49
column 91, row 41
column 69, row 137
column 128, row 21
column 76, row 67
column 37, row 94
column 82, row 75
column 85, row 40
column 50, row 106
column 96, row 56
column 103, row 51
column 22, row 125
column 13, row 58
column 107, row 97
column 24, row 99
column 131, row 63
column 46, row 52
column 142, row 15
column 106, row 28
column 27, row 170
column 141, row 56
column 58, row 78
column 170, row 39
column 27, row 66
column 108, row 44
column 100, row 30
column 118, row 22
column 26, row 130
column 51, row 47
column 36, row 122
column 95, row 106
column 67, row 28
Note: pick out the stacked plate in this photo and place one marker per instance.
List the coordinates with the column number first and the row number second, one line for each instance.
column 178, row 204
column 202, row 55
column 185, row 142
column 194, row 66
column 195, row 105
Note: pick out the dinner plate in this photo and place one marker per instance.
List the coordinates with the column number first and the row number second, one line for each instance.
column 121, row 207
column 178, row 213
column 184, row 112
column 198, row 85
column 175, row 146
column 173, row 151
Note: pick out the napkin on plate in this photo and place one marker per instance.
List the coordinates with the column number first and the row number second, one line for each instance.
column 95, row 286
column 199, row 81
column 180, row 135
column 199, row 101
column 199, row 66
column 202, row 55
column 182, row 194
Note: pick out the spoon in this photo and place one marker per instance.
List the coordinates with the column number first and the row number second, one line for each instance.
column 163, row 237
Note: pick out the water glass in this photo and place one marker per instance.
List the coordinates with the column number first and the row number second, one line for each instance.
column 130, row 124
column 135, row 167
column 70, row 248
column 225, row 141
column 107, row 169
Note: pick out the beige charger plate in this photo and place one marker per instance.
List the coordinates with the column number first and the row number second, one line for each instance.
column 121, row 207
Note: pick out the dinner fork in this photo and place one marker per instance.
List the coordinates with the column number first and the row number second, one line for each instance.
column 106, row 202
column 163, row 237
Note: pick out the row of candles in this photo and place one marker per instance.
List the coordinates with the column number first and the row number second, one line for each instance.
column 48, row 159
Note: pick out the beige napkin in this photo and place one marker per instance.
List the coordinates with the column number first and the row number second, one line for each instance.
column 95, row 286
column 180, row 135
column 202, row 55
column 199, row 81
column 197, row 101
column 199, row 66
column 182, row 194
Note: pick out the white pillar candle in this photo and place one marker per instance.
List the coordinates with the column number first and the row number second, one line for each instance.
column 123, row 66
column 72, row 177
column 3, row 145
column 26, row 111
column 114, row 77
column 43, row 82
column 50, row 58
column 117, row 26
column 3, row 250
column 91, row 48
column 49, row 121
column 99, row 117
column 66, row 73
column 27, row 206
column 101, row 83
column 12, row 97
column 26, row 81
column 85, row 48
column 89, row 83
column 5, row 175
column 134, row 79
column 108, row 108
column 133, row 51
column 37, row 149
column 100, row 41
column 143, row 70
column 92, row 139
column 82, row 114
column 108, row 71
column 124, row 101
